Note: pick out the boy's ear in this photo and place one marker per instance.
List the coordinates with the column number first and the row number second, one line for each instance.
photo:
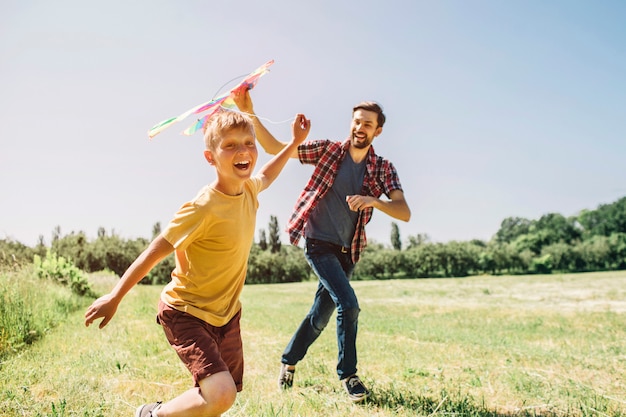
column 208, row 156
column 378, row 131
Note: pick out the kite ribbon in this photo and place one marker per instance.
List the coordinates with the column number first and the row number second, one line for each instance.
column 224, row 100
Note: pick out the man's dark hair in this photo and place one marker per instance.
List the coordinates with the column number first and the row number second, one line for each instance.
column 372, row 106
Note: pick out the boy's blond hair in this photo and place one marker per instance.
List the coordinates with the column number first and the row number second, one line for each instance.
column 222, row 121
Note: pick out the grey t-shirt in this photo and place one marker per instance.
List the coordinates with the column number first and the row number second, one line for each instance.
column 332, row 220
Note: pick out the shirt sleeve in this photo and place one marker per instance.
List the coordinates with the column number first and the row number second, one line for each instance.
column 255, row 185
column 391, row 180
column 186, row 224
column 311, row 151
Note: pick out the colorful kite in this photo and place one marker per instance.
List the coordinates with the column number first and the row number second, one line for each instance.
column 224, row 100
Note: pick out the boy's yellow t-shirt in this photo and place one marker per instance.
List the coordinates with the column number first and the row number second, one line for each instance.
column 212, row 236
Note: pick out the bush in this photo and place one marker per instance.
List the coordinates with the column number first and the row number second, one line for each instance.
column 161, row 274
column 287, row 265
column 379, row 263
column 14, row 254
column 60, row 270
column 541, row 265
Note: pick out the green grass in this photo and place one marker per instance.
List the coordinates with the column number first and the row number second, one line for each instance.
column 30, row 308
column 482, row 346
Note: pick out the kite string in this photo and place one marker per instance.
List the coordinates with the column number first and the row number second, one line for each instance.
column 243, row 112
column 276, row 123
column 226, row 83
column 264, row 118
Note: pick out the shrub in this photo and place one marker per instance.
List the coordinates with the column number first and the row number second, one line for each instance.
column 162, row 273
column 60, row 270
column 287, row 265
column 13, row 254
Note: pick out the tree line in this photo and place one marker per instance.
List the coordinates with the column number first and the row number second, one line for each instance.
column 593, row 240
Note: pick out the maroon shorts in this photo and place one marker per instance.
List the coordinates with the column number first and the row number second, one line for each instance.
column 204, row 349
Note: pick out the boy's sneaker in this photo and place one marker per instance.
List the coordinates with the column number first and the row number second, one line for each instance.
column 147, row 409
column 355, row 388
column 285, row 377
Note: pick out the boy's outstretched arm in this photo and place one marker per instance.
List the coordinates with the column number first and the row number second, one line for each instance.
column 106, row 306
column 300, row 129
column 269, row 143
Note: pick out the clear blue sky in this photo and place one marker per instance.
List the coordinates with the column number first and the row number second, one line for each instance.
column 495, row 108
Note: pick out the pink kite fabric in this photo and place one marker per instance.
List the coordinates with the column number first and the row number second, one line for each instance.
column 224, row 100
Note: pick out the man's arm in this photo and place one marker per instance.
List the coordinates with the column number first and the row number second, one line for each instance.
column 269, row 143
column 300, row 129
column 395, row 207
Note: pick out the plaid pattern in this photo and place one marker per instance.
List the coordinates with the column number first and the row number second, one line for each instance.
column 380, row 178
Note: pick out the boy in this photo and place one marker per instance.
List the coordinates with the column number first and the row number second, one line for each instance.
column 211, row 236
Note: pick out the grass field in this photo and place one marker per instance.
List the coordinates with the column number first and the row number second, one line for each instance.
column 550, row 345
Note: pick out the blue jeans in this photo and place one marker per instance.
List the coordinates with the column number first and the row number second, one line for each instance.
column 333, row 266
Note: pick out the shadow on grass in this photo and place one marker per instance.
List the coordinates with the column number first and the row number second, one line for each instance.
column 447, row 404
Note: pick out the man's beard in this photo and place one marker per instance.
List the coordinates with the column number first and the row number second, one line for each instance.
column 361, row 143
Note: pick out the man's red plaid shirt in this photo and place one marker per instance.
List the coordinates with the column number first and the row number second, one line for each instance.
column 380, row 178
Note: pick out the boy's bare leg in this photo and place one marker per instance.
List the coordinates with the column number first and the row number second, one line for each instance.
column 215, row 396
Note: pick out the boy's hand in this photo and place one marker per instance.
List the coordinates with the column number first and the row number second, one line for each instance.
column 104, row 307
column 300, row 128
column 242, row 99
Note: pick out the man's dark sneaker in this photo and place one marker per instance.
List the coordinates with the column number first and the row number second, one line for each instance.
column 285, row 378
column 147, row 409
column 355, row 388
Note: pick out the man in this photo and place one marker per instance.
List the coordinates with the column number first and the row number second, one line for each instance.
column 331, row 214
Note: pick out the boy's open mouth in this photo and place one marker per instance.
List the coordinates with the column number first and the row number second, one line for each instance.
column 242, row 165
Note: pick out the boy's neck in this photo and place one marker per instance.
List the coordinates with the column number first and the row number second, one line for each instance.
column 228, row 189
